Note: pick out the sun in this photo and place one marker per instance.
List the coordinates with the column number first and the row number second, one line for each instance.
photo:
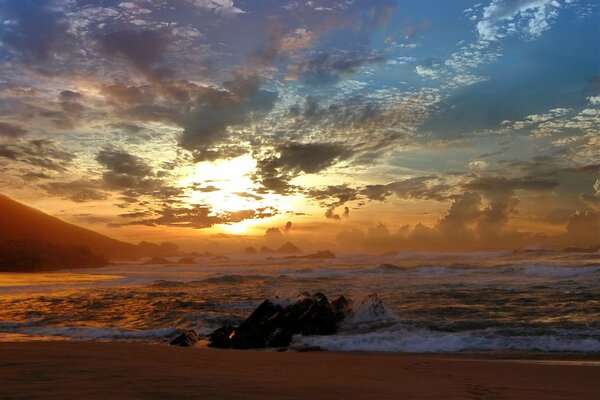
column 226, row 186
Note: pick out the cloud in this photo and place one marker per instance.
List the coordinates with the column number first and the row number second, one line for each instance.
column 240, row 101
column 325, row 68
column 40, row 153
column 121, row 162
column 79, row 191
column 292, row 159
column 198, row 216
column 36, row 32
column 10, row 130
column 503, row 17
column 222, row 7
column 144, row 49
column 126, row 171
column 334, row 195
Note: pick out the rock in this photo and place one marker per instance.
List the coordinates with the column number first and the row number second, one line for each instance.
column 186, row 260
column 250, row 250
column 156, row 260
column 222, row 337
column 342, row 307
column 288, row 248
column 187, row 338
column 266, row 250
column 271, row 325
column 311, row 316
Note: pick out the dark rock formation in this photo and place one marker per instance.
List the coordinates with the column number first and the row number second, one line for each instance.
column 165, row 249
column 250, row 250
column 272, row 325
column 187, row 338
column 288, row 248
column 186, row 260
column 157, row 260
column 342, row 307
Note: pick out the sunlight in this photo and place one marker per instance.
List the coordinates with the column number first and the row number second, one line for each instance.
column 227, row 186
column 223, row 185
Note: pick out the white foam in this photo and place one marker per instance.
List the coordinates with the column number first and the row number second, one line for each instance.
column 371, row 310
column 552, row 271
column 423, row 341
column 77, row 332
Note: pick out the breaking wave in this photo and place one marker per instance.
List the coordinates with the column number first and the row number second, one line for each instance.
column 403, row 339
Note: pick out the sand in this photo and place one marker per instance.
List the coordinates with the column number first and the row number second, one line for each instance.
column 101, row 370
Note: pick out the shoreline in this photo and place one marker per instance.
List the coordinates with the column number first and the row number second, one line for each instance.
column 84, row 369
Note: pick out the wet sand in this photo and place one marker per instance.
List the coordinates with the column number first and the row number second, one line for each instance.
column 102, row 370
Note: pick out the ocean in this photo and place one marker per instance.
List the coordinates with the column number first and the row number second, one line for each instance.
column 498, row 301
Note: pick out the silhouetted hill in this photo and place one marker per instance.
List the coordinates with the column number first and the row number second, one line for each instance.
column 20, row 223
column 36, row 256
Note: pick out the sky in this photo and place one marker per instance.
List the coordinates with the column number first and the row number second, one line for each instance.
column 356, row 125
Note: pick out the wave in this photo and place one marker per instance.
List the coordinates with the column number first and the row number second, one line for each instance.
column 370, row 312
column 408, row 340
column 234, row 278
column 553, row 271
column 96, row 333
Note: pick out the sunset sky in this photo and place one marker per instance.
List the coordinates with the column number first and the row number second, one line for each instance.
column 358, row 125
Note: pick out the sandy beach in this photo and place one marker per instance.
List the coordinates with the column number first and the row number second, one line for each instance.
column 101, row 370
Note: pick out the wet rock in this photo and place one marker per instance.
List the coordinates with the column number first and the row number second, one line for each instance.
column 187, row 338
column 222, row 337
column 272, row 325
column 342, row 307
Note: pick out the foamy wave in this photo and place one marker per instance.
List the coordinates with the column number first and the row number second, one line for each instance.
column 234, row 278
column 76, row 332
column 424, row 341
column 552, row 271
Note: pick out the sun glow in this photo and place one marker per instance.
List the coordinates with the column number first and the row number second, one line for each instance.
column 226, row 186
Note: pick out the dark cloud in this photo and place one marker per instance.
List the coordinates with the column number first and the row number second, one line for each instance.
column 310, row 158
column 121, row 162
column 39, row 34
column 40, row 153
column 69, row 95
column 421, row 187
column 498, row 186
column 207, row 118
column 325, row 68
column 292, row 159
column 334, row 195
column 144, row 49
column 10, row 130
column 79, row 191
column 205, row 113
column 199, row 216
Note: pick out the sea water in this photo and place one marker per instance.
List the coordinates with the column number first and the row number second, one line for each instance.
column 501, row 301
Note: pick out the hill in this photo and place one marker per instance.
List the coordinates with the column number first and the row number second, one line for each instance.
column 23, row 224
